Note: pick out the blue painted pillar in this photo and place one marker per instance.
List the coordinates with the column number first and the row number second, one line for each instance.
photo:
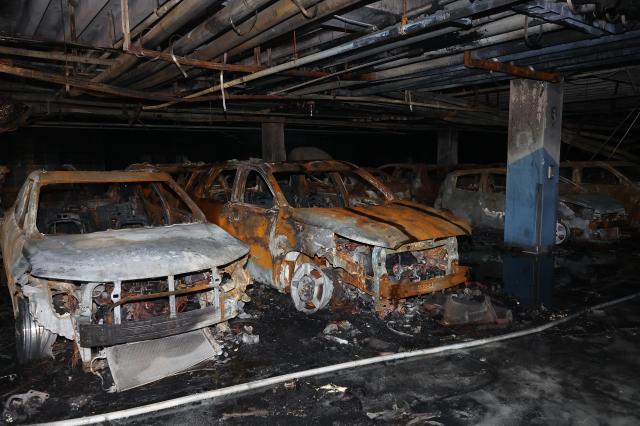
column 529, row 277
column 535, row 124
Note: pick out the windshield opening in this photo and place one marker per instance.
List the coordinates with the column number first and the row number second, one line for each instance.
column 304, row 190
column 82, row 208
column 360, row 191
column 323, row 189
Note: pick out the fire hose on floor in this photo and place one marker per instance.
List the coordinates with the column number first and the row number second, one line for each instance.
column 264, row 383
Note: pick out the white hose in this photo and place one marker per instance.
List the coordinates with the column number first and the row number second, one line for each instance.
column 263, row 383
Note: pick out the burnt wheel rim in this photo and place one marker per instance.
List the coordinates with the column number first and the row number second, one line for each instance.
column 311, row 288
column 561, row 233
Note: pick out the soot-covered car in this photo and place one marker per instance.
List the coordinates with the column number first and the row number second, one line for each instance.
column 312, row 225
column 618, row 179
column 479, row 197
column 109, row 258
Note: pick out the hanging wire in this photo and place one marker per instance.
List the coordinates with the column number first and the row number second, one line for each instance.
column 614, row 131
column 624, row 136
column 224, row 100
column 532, row 43
column 175, row 60
column 255, row 19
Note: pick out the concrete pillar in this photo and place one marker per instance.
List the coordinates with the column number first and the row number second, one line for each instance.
column 273, row 148
column 535, row 123
column 448, row 147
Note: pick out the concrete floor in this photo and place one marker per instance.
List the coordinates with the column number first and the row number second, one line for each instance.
column 585, row 372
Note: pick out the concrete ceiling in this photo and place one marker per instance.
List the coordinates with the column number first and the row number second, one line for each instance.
column 316, row 63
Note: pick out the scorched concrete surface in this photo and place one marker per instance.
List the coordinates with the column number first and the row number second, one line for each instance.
column 584, row 372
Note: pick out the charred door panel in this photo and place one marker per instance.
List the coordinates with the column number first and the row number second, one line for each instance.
column 252, row 220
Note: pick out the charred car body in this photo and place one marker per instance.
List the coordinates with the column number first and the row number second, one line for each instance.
column 312, row 224
column 478, row 196
column 618, row 179
column 106, row 258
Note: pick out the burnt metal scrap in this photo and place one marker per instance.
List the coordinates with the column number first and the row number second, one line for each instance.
column 312, row 226
column 478, row 195
column 107, row 258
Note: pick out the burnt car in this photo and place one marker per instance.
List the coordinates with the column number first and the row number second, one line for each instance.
column 478, row 195
column 399, row 189
column 184, row 174
column 308, row 232
column 419, row 180
column 110, row 258
column 618, row 179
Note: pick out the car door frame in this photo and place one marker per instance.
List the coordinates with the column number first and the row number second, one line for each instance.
column 14, row 236
column 473, row 214
column 255, row 225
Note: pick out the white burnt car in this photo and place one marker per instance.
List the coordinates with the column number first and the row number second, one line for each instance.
column 108, row 258
column 479, row 196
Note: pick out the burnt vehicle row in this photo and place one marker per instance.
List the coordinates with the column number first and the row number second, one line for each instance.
column 105, row 259
column 620, row 180
column 313, row 224
column 109, row 258
column 478, row 196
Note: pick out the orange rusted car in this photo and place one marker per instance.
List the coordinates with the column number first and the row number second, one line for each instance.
column 312, row 225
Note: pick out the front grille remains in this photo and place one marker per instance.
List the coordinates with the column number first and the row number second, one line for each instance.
column 419, row 265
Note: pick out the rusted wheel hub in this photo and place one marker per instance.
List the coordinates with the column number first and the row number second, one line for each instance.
column 311, row 288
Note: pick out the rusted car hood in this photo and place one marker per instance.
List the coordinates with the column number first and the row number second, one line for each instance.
column 129, row 254
column 390, row 225
column 601, row 203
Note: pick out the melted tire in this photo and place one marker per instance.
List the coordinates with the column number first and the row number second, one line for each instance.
column 32, row 340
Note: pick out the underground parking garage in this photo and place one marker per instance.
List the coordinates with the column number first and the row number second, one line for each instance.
column 320, row 211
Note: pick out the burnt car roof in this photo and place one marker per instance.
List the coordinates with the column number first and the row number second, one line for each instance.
column 296, row 166
column 472, row 171
column 49, row 177
column 169, row 167
column 597, row 163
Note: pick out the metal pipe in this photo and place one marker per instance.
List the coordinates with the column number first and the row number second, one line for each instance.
column 235, row 11
column 175, row 19
column 356, row 23
column 124, row 17
column 367, row 40
column 331, row 75
column 324, row 9
column 54, row 56
column 280, row 11
column 438, row 66
column 80, row 83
